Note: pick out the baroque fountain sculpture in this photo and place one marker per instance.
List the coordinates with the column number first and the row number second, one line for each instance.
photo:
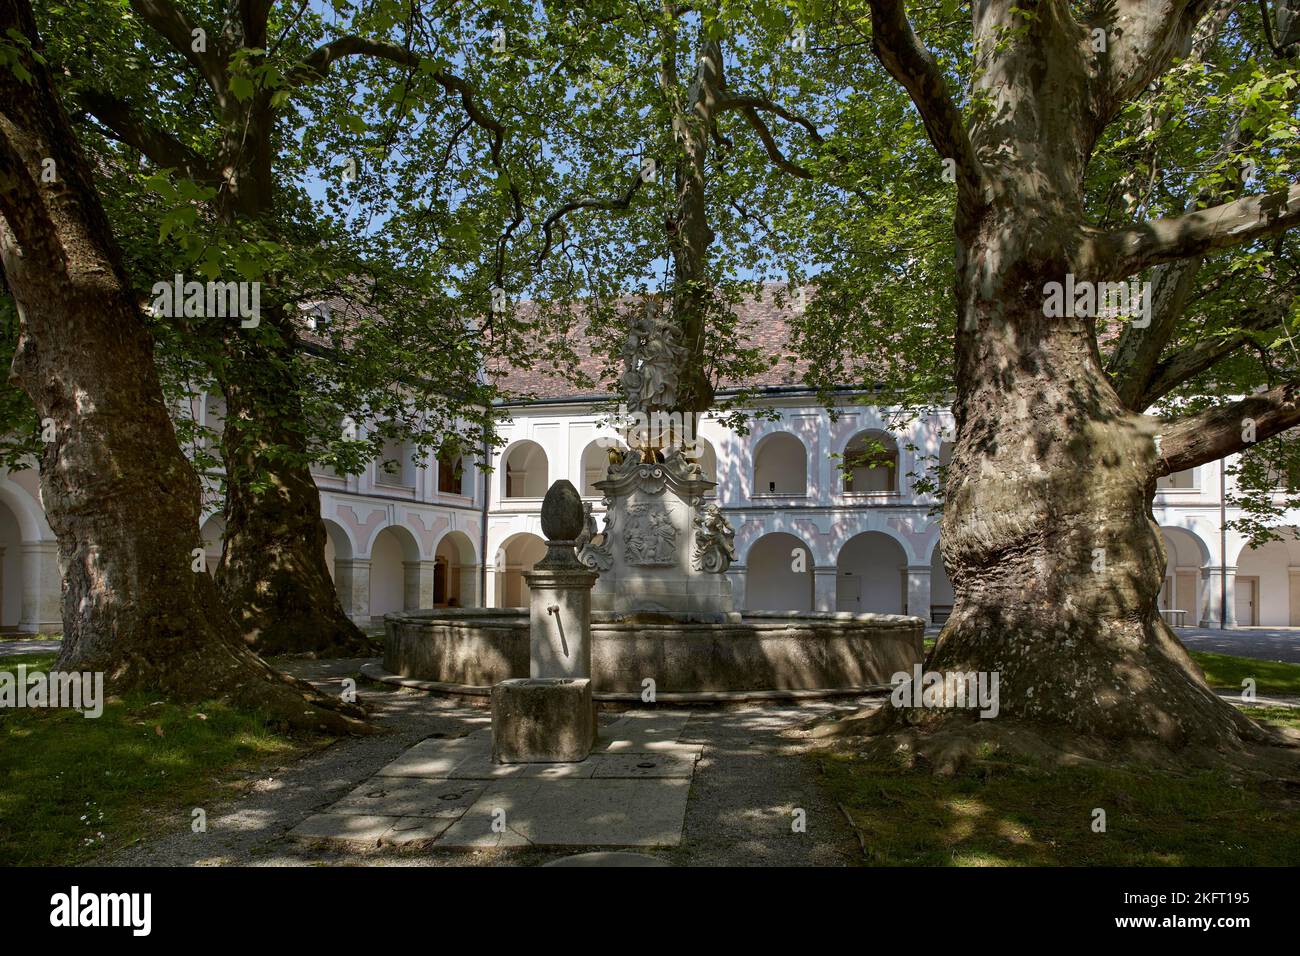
column 662, row 549
column 661, row 612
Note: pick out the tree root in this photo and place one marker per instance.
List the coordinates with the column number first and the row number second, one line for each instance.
column 948, row 743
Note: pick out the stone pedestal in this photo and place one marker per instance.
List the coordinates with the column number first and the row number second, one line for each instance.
column 551, row 715
column 559, row 621
column 663, row 550
column 542, row 720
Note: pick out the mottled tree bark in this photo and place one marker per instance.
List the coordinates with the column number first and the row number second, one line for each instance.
column 119, row 494
column 1055, row 560
column 273, row 574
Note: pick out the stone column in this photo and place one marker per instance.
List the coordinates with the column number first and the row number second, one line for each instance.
column 739, row 585
column 918, row 591
column 469, row 582
column 352, row 581
column 824, row 587
column 559, row 620
column 1220, row 608
column 417, row 584
column 42, row 588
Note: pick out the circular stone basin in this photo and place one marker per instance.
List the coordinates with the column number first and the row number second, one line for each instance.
column 472, row 649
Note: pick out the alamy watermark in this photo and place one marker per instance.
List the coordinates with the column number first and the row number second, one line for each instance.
column 655, row 429
column 1131, row 300
column 208, row 300
column 83, row 691
column 945, row 690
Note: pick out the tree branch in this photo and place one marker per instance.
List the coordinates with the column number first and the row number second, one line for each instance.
column 585, row 202
column 177, row 29
column 1123, row 252
column 1186, row 363
column 318, row 63
column 1217, row 432
column 769, row 143
column 1142, row 39
column 912, row 65
column 161, row 148
column 763, row 103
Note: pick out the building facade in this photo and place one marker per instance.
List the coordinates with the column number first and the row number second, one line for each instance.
column 408, row 534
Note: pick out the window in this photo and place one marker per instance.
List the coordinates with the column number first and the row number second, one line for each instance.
column 1179, row 480
column 451, row 473
column 871, row 464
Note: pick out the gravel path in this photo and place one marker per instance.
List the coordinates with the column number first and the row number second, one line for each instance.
column 747, row 785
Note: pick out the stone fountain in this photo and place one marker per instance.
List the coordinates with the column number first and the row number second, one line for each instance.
column 663, row 622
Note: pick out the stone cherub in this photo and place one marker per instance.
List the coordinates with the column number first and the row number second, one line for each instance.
column 715, row 540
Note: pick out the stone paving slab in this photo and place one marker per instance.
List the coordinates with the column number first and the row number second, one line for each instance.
column 643, row 731
column 371, row 829
column 591, row 812
column 658, row 765
column 410, row 797
column 447, row 791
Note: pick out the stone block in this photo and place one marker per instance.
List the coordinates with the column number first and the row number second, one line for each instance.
column 542, row 720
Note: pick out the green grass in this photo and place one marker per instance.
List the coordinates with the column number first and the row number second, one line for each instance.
column 1271, row 677
column 71, row 787
column 1016, row 813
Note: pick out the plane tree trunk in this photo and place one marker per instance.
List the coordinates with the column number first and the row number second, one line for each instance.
column 119, row 494
column 1048, row 537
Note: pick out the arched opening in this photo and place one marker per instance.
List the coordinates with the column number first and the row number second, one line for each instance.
column 455, row 576
column 393, row 548
column 451, row 472
column 395, row 467
column 780, row 466
column 525, row 471
column 595, row 466
column 871, row 575
column 707, row 459
column 11, row 570
column 518, row 554
column 1267, row 588
column 779, row 574
column 941, row 594
column 213, row 532
column 336, row 545
column 871, row 463
column 1182, row 596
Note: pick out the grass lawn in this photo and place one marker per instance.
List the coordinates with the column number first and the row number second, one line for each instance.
column 1224, row 670
column 71, row 787
column 1271, row 677
column 1015, row 813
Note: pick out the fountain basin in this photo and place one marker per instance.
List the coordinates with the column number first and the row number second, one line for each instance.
column 759, row 653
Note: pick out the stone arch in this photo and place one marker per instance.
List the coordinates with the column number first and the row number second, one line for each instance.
column 338, row 544
column 871, row 463
column 213, row 532
column 393, row 550
column 593, row 466
column 1185, row 583
column 30, row 577
column 777, row 576
column 871, row 574
column 524, row 470
column 1267, row 585
column 27, row 511
column 456, row 571
column 780, row 465
column 515, row 555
